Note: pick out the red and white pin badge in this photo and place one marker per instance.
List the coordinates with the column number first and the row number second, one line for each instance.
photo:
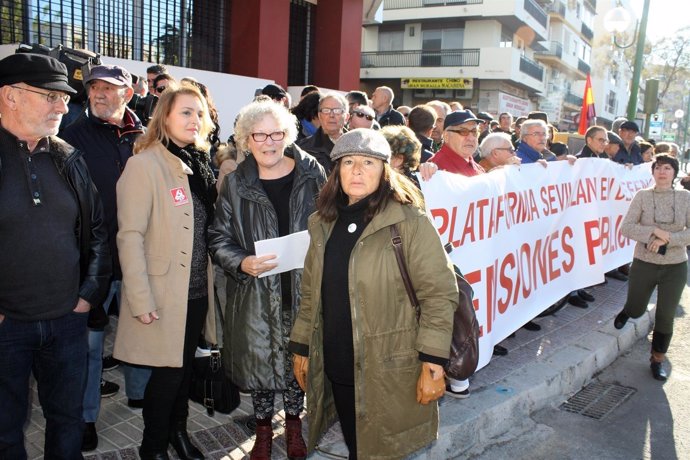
column 179, row 196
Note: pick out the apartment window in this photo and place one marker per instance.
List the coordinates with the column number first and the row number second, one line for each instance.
column 391, row 40
column 442, row 39
column 585, row 53
column 611, row 102
column 434, row 41
column 506, row 38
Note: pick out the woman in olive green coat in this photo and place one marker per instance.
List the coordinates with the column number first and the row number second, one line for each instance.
column 359, row 348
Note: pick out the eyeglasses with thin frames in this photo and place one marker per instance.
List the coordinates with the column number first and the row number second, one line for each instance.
column 335, row 111
column 50, row 97
column 275, row 136
column 465, row 132
column 510, row 149
column 536, row 134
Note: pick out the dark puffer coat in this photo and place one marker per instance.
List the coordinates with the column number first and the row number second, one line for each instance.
column 254, row 346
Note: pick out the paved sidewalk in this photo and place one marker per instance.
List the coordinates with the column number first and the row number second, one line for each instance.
column 541, row 368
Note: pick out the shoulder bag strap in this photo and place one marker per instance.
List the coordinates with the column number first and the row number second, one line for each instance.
column 397, row 245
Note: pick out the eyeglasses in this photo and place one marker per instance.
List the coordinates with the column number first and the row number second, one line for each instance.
column 603, row 140
column 465, row 132
column 335, row 111
column 537, row 134
column 510, row 149
column 275, row 136
column 363, row 115
column 50, row 97
column 160, row 89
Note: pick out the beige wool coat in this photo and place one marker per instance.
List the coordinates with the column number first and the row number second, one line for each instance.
column 154, row 242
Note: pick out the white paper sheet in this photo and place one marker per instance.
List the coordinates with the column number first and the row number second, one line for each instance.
column 290, row 251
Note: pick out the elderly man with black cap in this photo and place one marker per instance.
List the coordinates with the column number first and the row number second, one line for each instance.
column 106, row 132
column 54, row 257
column 460, row 142
column 629, row 152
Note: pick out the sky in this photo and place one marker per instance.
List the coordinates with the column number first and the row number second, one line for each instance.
column 664, row 18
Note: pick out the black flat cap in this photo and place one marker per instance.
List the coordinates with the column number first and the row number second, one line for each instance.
column 36, row 70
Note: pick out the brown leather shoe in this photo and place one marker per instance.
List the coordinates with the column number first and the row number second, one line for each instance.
column 263, row 443
column 296, row 448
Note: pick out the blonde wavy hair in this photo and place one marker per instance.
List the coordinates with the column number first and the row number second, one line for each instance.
column 156, row 131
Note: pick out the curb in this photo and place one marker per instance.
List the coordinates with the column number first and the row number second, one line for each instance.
column 468, row 426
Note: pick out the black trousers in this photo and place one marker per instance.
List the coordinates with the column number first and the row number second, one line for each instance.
column 344, row 398
column 166, row 404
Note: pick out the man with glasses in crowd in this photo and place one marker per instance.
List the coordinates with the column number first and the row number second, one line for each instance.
column 161, row 83
column 533, row 142
column 151, row 73
column 596, row 141
column 363, row 116
column 333, row 116
column 496, row 151
column 54, row 258
column 460, row 141
column 106, row 133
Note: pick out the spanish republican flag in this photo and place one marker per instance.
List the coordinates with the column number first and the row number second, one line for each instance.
column 587, row 114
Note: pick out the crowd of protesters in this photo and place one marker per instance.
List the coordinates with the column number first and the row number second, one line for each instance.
column 156, row 220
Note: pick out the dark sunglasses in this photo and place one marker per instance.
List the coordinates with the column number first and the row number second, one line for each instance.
column 160, row 89
column 363, row 115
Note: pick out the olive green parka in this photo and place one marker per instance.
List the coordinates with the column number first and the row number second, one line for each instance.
column 387, row 338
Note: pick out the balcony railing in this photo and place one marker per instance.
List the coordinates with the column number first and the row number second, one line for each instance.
column 558, row 8
column 553, row 49
column 404, row 4
column 536, row 12
column 587, row 32
column 531, row 68
column 582, row 66
column 421, row 58
column 570, row 98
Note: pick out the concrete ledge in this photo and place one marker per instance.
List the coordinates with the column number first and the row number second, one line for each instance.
column 470, row 426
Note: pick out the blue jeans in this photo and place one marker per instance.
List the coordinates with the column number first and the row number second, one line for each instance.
column 92, row 394
column 55, row 351
column 136, row 379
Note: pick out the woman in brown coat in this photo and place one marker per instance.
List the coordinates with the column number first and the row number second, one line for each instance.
column 165, row 202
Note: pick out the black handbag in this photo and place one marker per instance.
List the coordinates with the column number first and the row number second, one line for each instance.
column 210, row 386
column 464, row 347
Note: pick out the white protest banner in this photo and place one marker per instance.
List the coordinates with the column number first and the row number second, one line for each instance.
column 525, row 236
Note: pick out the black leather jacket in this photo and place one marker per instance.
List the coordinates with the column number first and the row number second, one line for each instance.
column 319, row 146
column 254, row 356
column 94, row 255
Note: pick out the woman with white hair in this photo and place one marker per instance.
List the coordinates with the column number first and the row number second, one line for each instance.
column 271, row 194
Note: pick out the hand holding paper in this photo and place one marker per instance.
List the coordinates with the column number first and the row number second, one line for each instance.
column 288, row 252
column 255, row 266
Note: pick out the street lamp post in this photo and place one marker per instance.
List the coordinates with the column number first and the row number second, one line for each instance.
column 616, row 21
column 679, row 116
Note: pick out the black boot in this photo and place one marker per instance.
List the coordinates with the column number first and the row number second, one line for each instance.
column 620, row 320
column 660, row 343
column 144, row 455
column 180, row 441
